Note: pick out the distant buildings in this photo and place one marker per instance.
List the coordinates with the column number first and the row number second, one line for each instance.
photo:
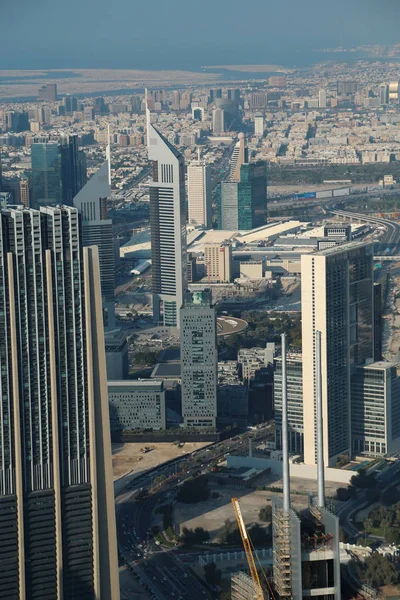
column 384, row 94
column 198, row 360
column 258, row 100
column 168, row 228
column 218, row 120
column 24, row 193
column 322, row 99
column 337, row 299
column 253, row 359
column 137, row 405
column 199, row 194
column 48, row 92
column 259, row 125
column 240, row 156
column 294, row 383
column 56, row 471
column 218, row 262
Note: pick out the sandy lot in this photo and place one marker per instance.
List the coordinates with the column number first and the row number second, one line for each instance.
column 212, row 514
column 127, row 458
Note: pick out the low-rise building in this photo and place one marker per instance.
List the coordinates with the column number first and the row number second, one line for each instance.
column 253, row 359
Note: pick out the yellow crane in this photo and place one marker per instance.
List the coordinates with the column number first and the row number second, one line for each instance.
column 247, row 548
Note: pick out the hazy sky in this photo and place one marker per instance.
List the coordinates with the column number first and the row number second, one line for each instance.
column 184, row 33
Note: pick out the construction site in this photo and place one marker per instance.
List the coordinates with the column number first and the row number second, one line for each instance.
column 306, row 551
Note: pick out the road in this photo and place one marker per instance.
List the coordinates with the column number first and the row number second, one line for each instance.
column 391, row 237
column 160, row 571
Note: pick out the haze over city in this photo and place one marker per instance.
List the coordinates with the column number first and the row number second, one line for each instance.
column 178, row 35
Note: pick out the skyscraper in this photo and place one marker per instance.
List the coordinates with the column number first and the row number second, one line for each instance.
column 46, row 174
column 243, row 204
column 24, row 191
column 58, row 172
column 218, row 120
column 259, row 125
column 384, row 94
column 322, row 99
column 57, row 519
column 97, row 230
column 199, row 194
column 199, row 360
column 240, row 155
column 168, row 227
column 48, row 92
column 337, row 299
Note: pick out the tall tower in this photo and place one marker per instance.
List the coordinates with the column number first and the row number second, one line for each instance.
column 97, row 230
column 240, row 156
column 46, row 174
column 200, row 194
column 57, row 519
column 168, row 227
column 199, row 360
column 337, row 299
column 259, row 125
column 218, row 120
column 322, row 98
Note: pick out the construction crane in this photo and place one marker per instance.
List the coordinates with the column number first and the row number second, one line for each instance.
column 247, row 548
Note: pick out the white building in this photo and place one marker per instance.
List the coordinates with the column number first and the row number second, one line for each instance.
column 322, row 99
column 168, row 227
column 259, row 125
column 200, row 194
column 337, row 300
column 137, row 405
column 199, row 360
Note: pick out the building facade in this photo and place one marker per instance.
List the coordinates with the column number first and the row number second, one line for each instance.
column 375, row 409
column 46, row 174
column 199, row 194
column 337, row 299
column 294, row 386
column 218, row 262
column 168, row 227
column 56, row 471
column 199, row 360
column 137, row 405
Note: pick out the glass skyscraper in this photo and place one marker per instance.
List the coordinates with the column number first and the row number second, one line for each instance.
column 57, row 519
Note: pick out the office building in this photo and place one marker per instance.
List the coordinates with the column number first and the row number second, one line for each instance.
column 375, row 409
column 199, row 194
column 218, row 262
column 258, row 100
column 176, row 101
column 48, row 92
column 46, row 174
column 240, row 156
column 24, row 192
column 16, row 122
column 336, row 299
column 346, row 88
column 168, row 227
column 70, row 104
column 322, row 99
column 251, row 360
column 117, row 358
column 97, row 230
column 101, row 108
column 232, row 116
column 294, row 387
column 259, row 125
column 198, row 113
column 384, row 94
column 378, row 325
column 306, row 547
column 58, row 172
column 57, row 534
column 243, row 205
column 218, row 121
column 137, row 405
column 218, row 93
column 199, row 360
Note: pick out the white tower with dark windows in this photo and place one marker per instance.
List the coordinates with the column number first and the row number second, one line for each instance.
column 199, row 194
column 168, row 227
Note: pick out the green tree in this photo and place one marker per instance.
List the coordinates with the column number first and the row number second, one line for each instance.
column 376, row 570
column 362, row 480
column 212, row 574
column 194, row 536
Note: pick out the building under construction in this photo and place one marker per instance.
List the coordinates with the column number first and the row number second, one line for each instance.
column 242, row 587
column 306, row 556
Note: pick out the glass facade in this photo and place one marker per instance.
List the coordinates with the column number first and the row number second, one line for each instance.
column 46, row 175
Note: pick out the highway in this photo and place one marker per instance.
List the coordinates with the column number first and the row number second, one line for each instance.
column 160, row 571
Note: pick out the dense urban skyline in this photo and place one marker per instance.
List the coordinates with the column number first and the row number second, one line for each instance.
column 111, row 35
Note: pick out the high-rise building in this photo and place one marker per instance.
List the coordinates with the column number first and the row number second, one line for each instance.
column 240, row 156
column 346, row 88
column 57, row 533
column 97, row 230
column 48, row 92
column 384, row 94
column 46, row 174
column 58, row 172
column 322, row 99
column 168, row 227
column 258, row 100
column 24, row 192
column 259, row 125
column 199, row 360
column 218, row 93
column 375, row 409
column 243, row 204
column 218, row 121
column 337, row 299
column 70, row 104
column 16, row 121
column 294, row 389
column 218, row 262
column 199, row 194
column 232, row 116
column 137, row 405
